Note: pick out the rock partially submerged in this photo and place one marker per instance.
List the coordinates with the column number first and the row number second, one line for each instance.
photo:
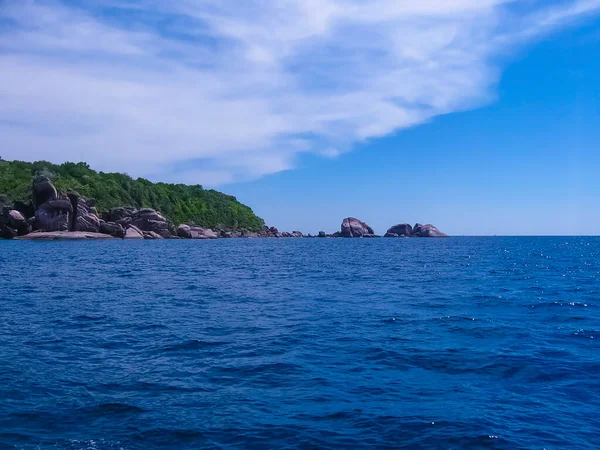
column 427, row 230
column 352, row 227
column 419, row 230
column 402, row 229
column 193, row 232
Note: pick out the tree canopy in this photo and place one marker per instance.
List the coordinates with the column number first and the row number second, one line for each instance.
column 178, row 202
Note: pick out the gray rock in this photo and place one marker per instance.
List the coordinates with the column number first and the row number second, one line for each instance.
column 390, row 235
column 402, row 229
column 427, row 230
column 85, row 218
column 112, row 229
column 352, row 227
column 152, row 235
column 42, row 191
column 184, row 231
column 192, row 232
column 322, row 234
column 16, row 219
column 54, row 215
column 133, row 232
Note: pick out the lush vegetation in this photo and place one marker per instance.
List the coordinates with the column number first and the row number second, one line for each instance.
column 180, row 203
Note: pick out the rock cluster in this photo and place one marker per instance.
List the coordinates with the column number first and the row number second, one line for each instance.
column 405, row 230
column 56, row 215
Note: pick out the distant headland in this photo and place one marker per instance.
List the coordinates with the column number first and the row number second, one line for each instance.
column 43, row 201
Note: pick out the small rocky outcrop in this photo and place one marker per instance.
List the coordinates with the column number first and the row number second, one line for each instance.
column 193, row 232
column 427, row 230
column 402, row 229
column 146, row 220
column 352, row 227
column 12, row 224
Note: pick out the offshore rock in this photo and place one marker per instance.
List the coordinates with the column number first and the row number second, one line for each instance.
column 352, row 227
column 427, row 230
column 402, row 229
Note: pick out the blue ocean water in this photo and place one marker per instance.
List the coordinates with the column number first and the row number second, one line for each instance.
column 301, row 343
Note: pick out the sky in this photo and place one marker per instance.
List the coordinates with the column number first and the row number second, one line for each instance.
column 479, row 116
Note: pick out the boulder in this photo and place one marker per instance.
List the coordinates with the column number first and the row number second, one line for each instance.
column 322, row 234
column 352, row 227
column 150, row 220
column 54, row 215
column 43, row 191
column 402, row 229
column 84, row 218
column 427, row 230
column 112, row 229
column 118, row 214
column 15, row 219
column 133, row 232
column 192, row 232
column 151, row 235
column 12, row 223
column 297, row 234
column 390, row 235
column 184, row 231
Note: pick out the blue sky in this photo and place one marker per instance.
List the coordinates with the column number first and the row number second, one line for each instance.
column 480, row 116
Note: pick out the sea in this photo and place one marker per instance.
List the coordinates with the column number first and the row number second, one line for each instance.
column 458, row 343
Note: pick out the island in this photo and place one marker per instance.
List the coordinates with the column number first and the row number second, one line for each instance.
column 44, row 201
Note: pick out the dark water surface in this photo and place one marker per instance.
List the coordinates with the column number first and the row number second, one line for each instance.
column 395, row 343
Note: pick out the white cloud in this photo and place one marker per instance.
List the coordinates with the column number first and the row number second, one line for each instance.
column 214, row 91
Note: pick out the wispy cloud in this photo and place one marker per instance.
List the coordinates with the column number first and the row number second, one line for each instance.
column 215, row 91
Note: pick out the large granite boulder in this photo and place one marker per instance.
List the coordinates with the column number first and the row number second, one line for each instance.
column 145, row 219
column 151, row 235
column 54, row 215
column 193, row 232
column 402, row 229
column 43, row 191
column 122, row 215
column 112, row 229
column 12, row 223
column 134, row 232
column 352, row 227
column 85, row 217
column 427, row 230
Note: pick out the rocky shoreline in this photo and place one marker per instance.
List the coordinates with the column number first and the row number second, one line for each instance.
column 53, row 215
